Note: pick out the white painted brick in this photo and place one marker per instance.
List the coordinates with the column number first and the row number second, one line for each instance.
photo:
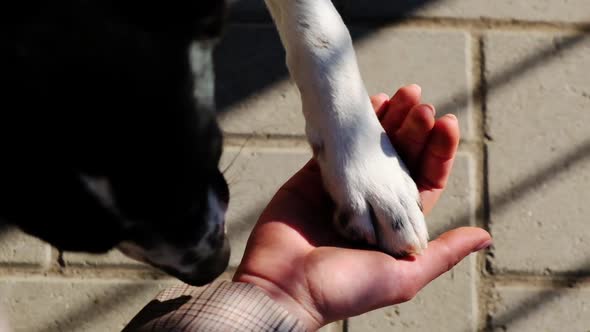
column 438, row 61
column 446, row 305
column 50, row 304
column 539, row 156
column 456, row 207
column 334, row 327
column 253, row 10
column 537, row 10
column 113, row 258
column 533, row 309
column 18, row 248
column 254, row 178
column 255, row 95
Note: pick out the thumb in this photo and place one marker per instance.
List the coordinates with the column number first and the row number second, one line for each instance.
column 444, row 253
column 353, row 274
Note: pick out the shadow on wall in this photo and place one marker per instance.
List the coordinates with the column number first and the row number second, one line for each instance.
column 3, row 227
column 5, row 230
column 251, row 59
column 248, row 62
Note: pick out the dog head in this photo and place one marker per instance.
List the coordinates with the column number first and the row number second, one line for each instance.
column 118, row 143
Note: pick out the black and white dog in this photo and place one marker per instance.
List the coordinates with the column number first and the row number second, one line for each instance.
column 109, row 139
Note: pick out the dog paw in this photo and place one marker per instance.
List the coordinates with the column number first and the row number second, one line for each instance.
column 377, row 201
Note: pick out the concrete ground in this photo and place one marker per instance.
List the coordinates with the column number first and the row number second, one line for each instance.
column 516, row 74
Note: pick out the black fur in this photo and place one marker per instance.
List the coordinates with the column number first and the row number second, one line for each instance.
column 104, row 88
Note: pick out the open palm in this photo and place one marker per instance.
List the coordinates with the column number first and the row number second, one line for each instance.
column 298, row 258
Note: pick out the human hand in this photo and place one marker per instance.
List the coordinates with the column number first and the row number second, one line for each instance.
column 296, row 256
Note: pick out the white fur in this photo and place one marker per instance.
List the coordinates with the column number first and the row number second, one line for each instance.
column 360, row 168
column 101, row 188
column 201, row 62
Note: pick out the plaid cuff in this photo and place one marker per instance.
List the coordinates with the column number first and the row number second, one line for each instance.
column 220, row 306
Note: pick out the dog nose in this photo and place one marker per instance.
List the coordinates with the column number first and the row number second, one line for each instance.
column 208, row 269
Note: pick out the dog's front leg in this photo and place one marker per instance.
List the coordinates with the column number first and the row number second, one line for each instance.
column 376, row 199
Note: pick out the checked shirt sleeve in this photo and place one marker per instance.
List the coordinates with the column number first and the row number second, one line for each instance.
column 220, row 306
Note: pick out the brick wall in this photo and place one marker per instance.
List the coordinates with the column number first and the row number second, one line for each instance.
column 516, row 73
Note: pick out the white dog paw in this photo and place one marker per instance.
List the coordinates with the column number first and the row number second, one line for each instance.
column 377, row 201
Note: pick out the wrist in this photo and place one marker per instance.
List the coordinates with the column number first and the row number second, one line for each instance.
column 299, row 308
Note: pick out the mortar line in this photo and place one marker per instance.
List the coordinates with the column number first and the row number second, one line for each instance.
column 479, row 24
column 555, row 280
column 286, row 141
column 511, row 278
column 469, row 24
column 269, row 142
column 346, row 325
column 475, row 102
column 486, row 284
column 82, row 273
column 94, row 272
column 240, row 136
column 478, row 105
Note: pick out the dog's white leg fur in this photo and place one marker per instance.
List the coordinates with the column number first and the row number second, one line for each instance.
column 376, row 199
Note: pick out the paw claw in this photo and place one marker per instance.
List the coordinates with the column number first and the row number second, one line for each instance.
column 381, row 209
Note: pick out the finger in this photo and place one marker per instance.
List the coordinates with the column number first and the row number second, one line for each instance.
column 410, row 140
column 399, row 279
column 400, row 104
column 380, row 102
column 439, row 154
column 442, row 255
